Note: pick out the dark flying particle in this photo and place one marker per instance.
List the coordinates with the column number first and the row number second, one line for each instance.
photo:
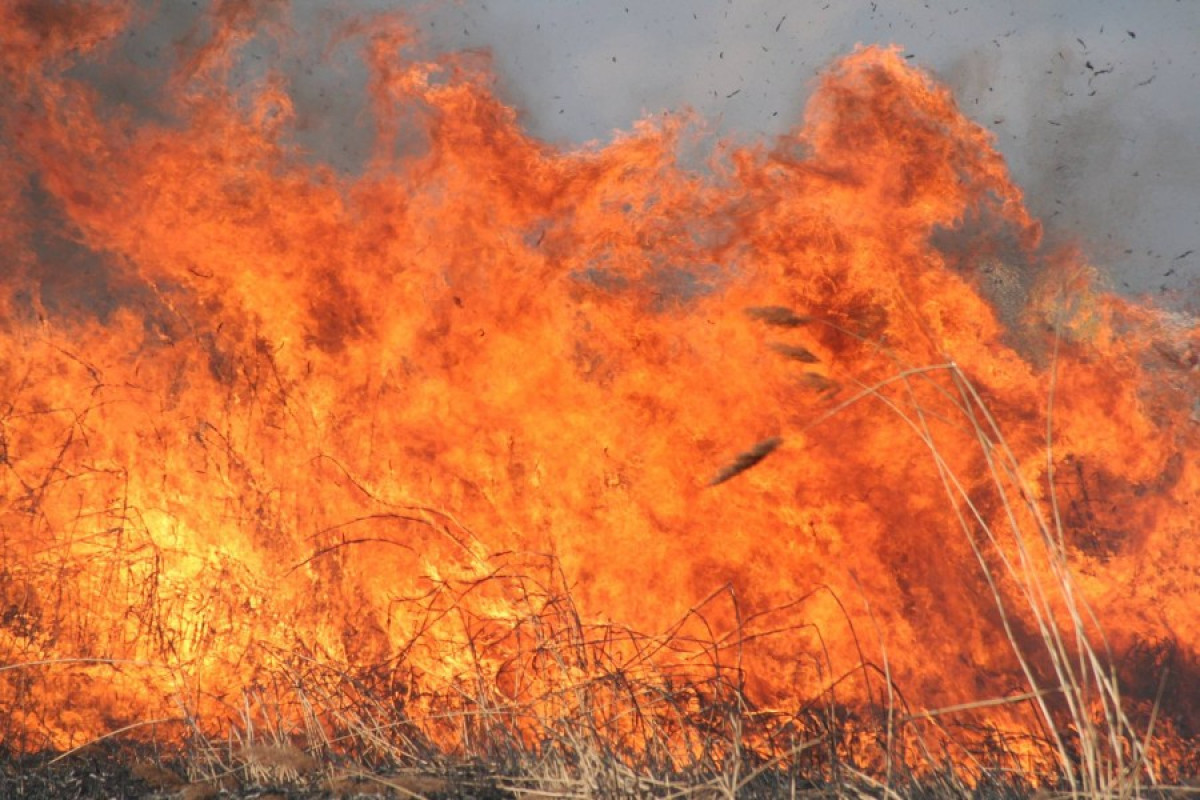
column 782, row 316
column 794, row 352
column 818, row 383
column 746, row 460
column 1184, row 254
column 780, row 25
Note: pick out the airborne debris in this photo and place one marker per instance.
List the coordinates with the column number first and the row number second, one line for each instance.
column 795, row 352
column 746, row 460
column 819, row 383
column 782, row 316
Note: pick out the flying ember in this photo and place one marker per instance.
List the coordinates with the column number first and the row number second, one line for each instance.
column 492, row 425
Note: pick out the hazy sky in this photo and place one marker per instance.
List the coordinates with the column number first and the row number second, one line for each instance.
column 1094, row 103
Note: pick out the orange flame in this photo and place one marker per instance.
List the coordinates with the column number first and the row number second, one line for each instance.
column 261, row 421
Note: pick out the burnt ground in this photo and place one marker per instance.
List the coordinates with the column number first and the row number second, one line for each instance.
column 115, row 771
column 99, row 772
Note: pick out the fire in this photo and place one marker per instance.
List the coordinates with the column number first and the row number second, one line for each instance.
column 447, row 434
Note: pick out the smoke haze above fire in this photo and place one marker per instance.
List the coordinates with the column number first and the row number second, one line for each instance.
column 1090, row 102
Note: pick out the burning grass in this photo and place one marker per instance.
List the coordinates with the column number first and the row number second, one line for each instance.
column 546, row 702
